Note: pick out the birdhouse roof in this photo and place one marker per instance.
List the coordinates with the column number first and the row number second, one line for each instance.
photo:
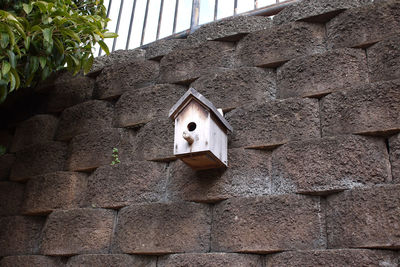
column 193, row 94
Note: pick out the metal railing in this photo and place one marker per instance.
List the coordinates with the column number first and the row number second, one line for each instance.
column 139, row 22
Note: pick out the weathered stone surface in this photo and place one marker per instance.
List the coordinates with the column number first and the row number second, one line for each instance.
column 333, row 257
column 268, row 224
column 248, row 174
column 364, row 218
column 316, row 10
column 37, row 129
column 187, row 64
column 77, row 231
column 274, row 123
column 229, row 89
column 384, row 59
column 320, row 74
column 160, row 228
column 84, row 117
column 369, row 109
column 394, row 148
column 118, row 57
column 20, row 234
column 39, row 159
column 156, row 140
column 116, row 79
column 264, row 48
column 68, row 90
column 57, row 190
column 6, row 161
column 210, row 260
column 363, row 26
column 229, row 29
column 91, row 150
column 123, row 184
column 116, row 260
column 331, row 164
column 30, row 260
column 160, row 48
column 139, row 107
column 11, row 196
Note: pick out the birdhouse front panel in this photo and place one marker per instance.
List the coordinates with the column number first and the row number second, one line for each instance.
column 192, row 127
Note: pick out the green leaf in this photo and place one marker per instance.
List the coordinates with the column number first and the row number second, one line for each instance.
column 47, row 33
column 59, row 45
column 3, row 149
column 13, row 83
column 27, row 8
column 104, row 47
column 11, row 56
column 3, row 92
column 42, row 61
column 5, row 39
column 71, row 34
column 87, row 65
column 5, row 68
column 110, row 35
column 17, row 79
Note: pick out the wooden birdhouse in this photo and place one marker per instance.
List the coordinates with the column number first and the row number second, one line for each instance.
column 201, row 132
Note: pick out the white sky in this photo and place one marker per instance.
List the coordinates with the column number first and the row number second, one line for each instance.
column 225, row 9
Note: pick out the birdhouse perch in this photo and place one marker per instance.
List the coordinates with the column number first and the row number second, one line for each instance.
column 201, row 132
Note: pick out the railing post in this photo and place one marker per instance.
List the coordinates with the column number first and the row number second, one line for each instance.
column 145, row 22
column 130, row 25
column 160, row 19
column 175, row 16
column 118, row 22
column 194, row 20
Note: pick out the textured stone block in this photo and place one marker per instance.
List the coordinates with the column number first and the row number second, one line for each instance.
column 6, row 161
column 117, row 57
column 384, row 59
column 106, row 260
column 268, row 224
column 333, row 257
column 229, row 29
column 37, row 129
column 320, row 74
column 210, row 260
column 187, row 64
column 264, row 48
column 57, row 190
column 30, row 260
column 364, row 218
column 11, row 196
column 39, row 159
column 328, row 165
column 394, row 148
column 248, row 174
column 274, row 123
column 160, row 48
column 83, row 231
column 123, row 184
column 161, row 228
column 116, row 79
column 20, row 235
column 141, row 106
column 229, row 89
column 363, row 26
column 84, row 117
column 368, row 109
column 91, row 150
column 316, row 10
column 68, row 90
column 156, row 140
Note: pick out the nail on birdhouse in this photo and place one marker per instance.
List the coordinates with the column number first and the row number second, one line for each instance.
column 201, row 132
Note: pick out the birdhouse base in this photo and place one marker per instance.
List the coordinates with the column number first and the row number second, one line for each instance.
column 202, row 160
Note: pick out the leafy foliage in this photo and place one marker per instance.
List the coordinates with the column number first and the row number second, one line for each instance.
column 38, row 38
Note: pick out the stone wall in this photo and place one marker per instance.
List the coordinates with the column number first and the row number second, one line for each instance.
column 314, row 160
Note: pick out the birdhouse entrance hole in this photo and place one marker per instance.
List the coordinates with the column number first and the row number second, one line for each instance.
column 192, row 126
